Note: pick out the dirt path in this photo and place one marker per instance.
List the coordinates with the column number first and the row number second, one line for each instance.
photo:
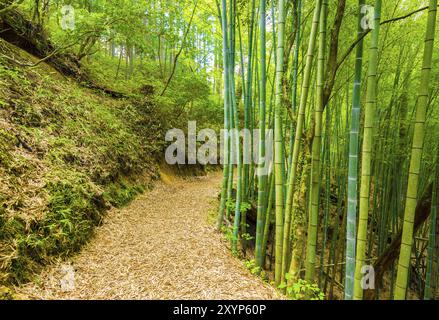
column 159, row 247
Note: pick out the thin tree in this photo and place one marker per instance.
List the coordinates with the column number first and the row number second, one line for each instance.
column 183, row 44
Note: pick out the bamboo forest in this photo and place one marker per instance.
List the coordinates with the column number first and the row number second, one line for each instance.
column 219, row 150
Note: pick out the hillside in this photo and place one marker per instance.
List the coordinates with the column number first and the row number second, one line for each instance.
column 67, row 154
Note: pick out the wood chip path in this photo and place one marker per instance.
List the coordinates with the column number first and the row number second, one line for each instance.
column 161, row 246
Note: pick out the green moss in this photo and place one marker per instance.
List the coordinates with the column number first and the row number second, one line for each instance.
column 10, row 228
column 26, row 114
column 75, row 207
column 120, row 194
column 7, row 142
column 6, row 293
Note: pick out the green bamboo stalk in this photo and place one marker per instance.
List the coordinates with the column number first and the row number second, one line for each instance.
column 367, row 153
column 296, row 55
column 298, row 137
column 316, row 146
column 236, row 146
column 351, row 223
column 241, row 176
column 248, row 97
column 232, row 106
column 254, row 105
column 278, row 146
column 294, row 80
column 415, row 159
column 428, row 294
column 262, row 176
column 268, row 215
column 326, row 166
column 226, row 154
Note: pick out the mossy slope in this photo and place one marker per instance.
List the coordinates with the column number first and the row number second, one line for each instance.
column 66, row 154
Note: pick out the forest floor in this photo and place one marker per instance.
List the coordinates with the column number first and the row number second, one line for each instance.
column 162, row 246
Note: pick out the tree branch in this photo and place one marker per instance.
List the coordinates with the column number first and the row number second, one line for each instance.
column 179, row 51
column 353, row 45
column 32, row 65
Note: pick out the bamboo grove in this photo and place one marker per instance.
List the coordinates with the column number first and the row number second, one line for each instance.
column 349, row 90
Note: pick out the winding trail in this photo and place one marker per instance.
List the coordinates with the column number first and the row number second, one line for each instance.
column 161, row 246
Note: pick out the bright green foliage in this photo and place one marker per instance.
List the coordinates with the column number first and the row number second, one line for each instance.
column 302, row 290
